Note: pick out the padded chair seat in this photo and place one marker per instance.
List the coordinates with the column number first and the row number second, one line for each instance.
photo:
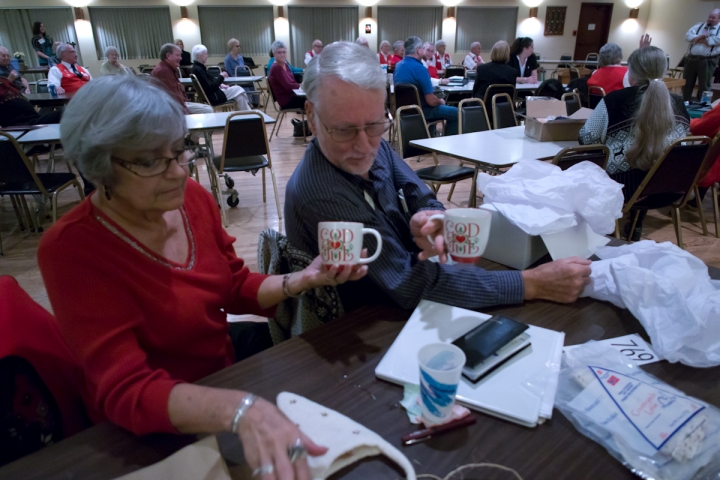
column 445, row 173
column 242, row 164
column 51, row 181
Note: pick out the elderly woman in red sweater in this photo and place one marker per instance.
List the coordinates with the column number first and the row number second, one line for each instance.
column 281, row 79
column 141, row 276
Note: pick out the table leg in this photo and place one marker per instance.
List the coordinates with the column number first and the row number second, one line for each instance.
column 472, row 203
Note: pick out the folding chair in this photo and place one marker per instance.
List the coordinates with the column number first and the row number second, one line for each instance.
column 494, row 89
column 591, row 57
column 253, row 95
column 412, row 126
column 572, row 102
column 503, row 111
column 455, row 71
column 597, row 154
column 472, row 117
column 228, row 106
column 595, row 94
column 407, row 94
column 670, row 181
column 245, row 149
column 709, row 179
column 282, row 113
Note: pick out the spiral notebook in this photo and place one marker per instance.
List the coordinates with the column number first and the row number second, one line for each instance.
column 522, row 391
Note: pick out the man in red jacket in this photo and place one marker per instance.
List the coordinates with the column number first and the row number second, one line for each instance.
column 167, row 72
column 67, row 76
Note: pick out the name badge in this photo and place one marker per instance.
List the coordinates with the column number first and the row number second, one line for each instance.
column 41, row 41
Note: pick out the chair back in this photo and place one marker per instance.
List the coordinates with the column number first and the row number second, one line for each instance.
column 597, row 154
column 199, row 92
column 574, row 73
column 455, row 71
column 572, row 102
column 411, row 126
column 242, row 71
column 595, row 94
column 579, row 84
column 592, row 57
column 551, row 87
column 15, row 167
column 564, row 56
column 503, row 111
column 712, row 174
column 249, row 61
column 245, row 138
column 214, row 71
column 42, row 86
column 146, row 69
column 406, row 94
column 497, row 88
column 472, row 116
column 674, row 175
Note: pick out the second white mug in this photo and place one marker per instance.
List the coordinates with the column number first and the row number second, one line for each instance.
column 466, row 232
column 340, row 243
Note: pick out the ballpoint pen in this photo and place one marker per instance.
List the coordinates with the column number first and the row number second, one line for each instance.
column 428, row 433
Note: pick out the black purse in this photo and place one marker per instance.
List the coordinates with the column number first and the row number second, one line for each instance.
column 300, row 128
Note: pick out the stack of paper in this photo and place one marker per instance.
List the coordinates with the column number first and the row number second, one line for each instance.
column 521, row 391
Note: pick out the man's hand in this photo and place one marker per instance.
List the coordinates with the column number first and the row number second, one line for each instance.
column 13, row 75
column 27, row 90
column 60, row 90
column 420, row 228
column 560, row 281
column 645, row 41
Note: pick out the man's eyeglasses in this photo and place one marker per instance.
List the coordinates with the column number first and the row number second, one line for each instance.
column 346, row 134
column 158, row 166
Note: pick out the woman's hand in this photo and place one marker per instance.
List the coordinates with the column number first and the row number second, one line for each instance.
column 266, row 433
column 319, row 275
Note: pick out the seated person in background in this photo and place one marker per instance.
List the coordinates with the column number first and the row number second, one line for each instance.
column 522, row 59
column 185, row 56
column 233, row 60
column 412, row 71
column 350, row 173
column 637, row 123
column 16, row 110
column 398, row 53
column 112, row 66
column 215, row 90
column 143, row 271
column 281, row 79
column 473, row 59
column 7, row 71
column 495, row 72
column 167, row 72
column 429, row 63
column 708, row 125
column 317, row 48
column 609, row 75
column 363, row 42
column 271, row 62
column 384, row 56
column 68, row 76
column 442, row 59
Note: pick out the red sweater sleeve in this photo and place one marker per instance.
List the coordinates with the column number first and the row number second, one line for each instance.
column 123, row 385
column 708, row 124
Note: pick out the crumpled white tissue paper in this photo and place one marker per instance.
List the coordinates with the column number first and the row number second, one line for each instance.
column 540, row 198
column 669, row 291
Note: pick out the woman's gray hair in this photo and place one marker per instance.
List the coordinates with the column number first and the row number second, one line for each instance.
column 440, row 43
column 412, row 44
column 345, row 61
column 277, row 44
column 198, row 50
column 610, row 54
column 118, row 113
column 231, row 43
column 61, row 48
column 109, row 50
column 384, row 42
column 397, row 45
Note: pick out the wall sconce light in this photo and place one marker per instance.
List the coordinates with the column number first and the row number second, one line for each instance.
column 634, row 12
column 184, row 12
column 534, row 12
column 281, row 11
column 368, row 12
column 79, row 14
column 451, row 12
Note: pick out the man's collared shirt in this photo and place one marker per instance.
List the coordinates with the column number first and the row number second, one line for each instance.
column 318, row 192
column 710, row 49
column 411, row 70
column 5, row 73
column 55, row 75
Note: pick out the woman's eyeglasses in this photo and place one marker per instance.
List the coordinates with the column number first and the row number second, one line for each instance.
column 158, row 166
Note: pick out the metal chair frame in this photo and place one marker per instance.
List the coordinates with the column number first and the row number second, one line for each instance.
column 598, row 92
column 574, row 95
column 575, row 154
column 417, row 100
column 495, row 112
column 228, row 106
column 281, row 115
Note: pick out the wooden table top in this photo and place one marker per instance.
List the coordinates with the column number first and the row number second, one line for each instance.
column 334, row 366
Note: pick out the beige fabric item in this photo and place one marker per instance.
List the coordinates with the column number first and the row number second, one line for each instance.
column 347, row 440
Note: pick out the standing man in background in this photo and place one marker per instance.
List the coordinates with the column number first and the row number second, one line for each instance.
column 702, row 57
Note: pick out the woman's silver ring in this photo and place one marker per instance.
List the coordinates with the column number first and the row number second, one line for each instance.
column 263, row 470
column 296, row 452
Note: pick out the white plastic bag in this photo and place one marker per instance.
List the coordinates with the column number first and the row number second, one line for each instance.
column 541, row 198
column 669, row 291
column 652, row 428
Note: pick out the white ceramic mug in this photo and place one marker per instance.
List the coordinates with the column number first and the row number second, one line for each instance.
column 340, row 243
column 466, row 232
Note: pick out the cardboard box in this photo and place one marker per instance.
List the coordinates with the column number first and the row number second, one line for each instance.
column 511, row 246
column 557, row 130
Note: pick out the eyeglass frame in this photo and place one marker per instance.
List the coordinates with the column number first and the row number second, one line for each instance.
column 126, row 165
column 389, row 122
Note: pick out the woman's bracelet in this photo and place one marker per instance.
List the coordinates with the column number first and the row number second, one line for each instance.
column 242, row 409
column 286, row 286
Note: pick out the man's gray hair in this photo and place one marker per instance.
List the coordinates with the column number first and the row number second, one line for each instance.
column 440, row 43
column 198, row 50
column 111, row 49
column 397, row 45
column 118, row 113
column 276, row 45
column 362, row 41
column 412, row 44
column 61, row 49
column 475, row 44
column 166, row 49
column 5, row 49
column 345, row 61
column 610, row 54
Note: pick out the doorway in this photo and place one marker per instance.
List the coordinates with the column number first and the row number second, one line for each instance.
column 593, row 28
